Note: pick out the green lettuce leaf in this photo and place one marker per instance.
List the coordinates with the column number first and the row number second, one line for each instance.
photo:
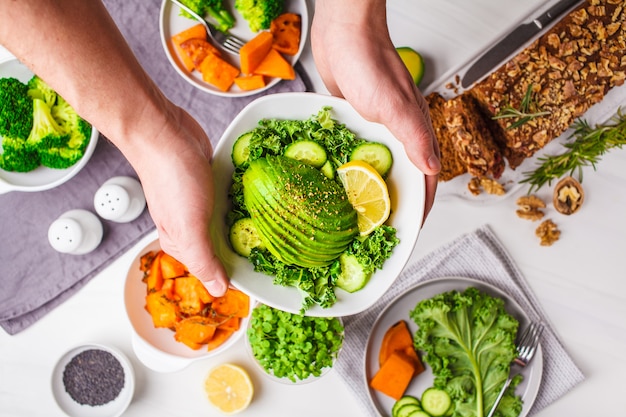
column 469, row 342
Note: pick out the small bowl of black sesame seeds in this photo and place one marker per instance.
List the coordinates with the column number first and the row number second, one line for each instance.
column 93, row 380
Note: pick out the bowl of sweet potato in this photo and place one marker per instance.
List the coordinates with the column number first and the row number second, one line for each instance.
column 173, row 314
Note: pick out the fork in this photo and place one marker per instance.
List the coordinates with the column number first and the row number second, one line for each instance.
column 526, row 348
column 228, row 41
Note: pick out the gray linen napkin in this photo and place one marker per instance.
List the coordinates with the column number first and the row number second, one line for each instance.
column 478, row 255
column 34, row 279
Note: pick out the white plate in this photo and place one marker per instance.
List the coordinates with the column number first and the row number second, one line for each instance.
column 41, row 178
column 111, row 409
column 172, row 23
column 406, row 187
column 157, row 348
column 399, row 309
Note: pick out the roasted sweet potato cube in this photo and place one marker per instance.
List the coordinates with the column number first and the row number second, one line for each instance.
column 163, row 310
column 191, row 294
column 154, row 277
column 394, row 376
column 195, row 331
column 220, row 336
column 232, row 304
column 171, row 268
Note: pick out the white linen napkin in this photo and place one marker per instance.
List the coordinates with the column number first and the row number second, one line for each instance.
column 478, row 255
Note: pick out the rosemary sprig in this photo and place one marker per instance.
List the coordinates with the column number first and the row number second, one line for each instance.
column 589, row 145
column 528, row 110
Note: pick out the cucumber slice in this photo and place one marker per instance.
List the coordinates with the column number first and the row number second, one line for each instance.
column 407, row 410
column 307, row 151
column 328, row 169
column 419, row 413
column 241, row 149
column 352, row 277
column 244, row 237
column 376, row 154
column 406, row 399
column 413, row 62
column 436, row 402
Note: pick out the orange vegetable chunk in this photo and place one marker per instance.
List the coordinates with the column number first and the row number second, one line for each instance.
column 254, row 51
column 394, row 377
column 234, row 303
column 195, row 331
column 286, row 30
column 398, row 338
column 232, row 323
column 218, row 72
column 250, row 82
column 274, row 65
column 170, row 267
column 220, row 336
column 198, row 50
column 164, row 311
column 154, row 277
column 195, row 32
column 191, row 294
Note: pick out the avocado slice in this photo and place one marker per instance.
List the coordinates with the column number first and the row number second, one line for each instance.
column 303, row 217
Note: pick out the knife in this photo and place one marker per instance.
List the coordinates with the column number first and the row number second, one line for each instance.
column 513, row 41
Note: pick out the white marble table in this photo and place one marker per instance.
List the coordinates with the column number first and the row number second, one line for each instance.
column 580, row 281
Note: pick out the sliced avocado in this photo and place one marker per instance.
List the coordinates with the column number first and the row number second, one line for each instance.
column 413, row 61
column 302, row 217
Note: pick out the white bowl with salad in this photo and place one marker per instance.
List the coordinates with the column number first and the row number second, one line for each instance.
column 313, row 255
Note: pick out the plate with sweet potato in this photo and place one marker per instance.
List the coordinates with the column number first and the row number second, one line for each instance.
column 174, row 315
column 454, row 337
column 268, row 57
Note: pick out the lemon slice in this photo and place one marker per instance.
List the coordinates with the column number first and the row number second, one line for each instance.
column 368, row 194
column 229, row 388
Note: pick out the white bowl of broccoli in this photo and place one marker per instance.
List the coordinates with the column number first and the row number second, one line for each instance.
column 43, row 142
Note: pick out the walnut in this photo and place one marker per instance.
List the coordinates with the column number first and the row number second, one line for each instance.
column 548, row 232
column 568, row 196
column 530, row 207
column 490, row 186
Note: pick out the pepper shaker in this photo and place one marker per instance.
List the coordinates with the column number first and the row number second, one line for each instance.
column 120, row 199
column 75, row 232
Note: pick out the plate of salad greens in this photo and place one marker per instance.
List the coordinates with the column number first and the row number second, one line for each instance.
column 323, row 243
column 37, row 150
column 172, row 23
column 439, row 337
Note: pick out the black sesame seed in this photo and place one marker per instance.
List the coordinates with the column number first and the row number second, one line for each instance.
column 93, row 377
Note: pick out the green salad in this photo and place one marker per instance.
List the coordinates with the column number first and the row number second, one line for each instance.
column 469, row 342
column 290, row 214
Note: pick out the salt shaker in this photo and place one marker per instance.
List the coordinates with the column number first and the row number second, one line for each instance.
column 75, row 232
column 120, row 199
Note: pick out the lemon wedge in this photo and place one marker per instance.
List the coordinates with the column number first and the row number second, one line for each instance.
column 229, row 388
column 368, row 194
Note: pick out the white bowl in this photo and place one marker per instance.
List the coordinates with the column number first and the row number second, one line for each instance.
column 156, row 348
column 41, row 178
column 172, row 23
column 73, row 408
column 406, row 186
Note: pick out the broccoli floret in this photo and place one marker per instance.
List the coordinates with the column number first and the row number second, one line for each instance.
column 16, row 109
column 60, row 157
column 46, row 132
column 37, row 88
column 216, row 9
column 259, row 13
column 17, row 157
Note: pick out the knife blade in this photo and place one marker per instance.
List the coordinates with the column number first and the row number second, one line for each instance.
column 513, row 41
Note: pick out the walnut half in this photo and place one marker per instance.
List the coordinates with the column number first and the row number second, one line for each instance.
column 548, row 232
column 568, row 196
column 530, row 207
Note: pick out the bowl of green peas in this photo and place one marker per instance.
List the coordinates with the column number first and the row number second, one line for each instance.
column 293, row 348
